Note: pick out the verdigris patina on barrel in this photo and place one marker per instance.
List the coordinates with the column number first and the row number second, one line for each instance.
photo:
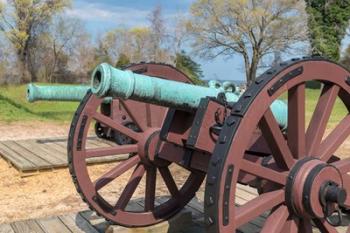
column 56, row 93
column 109, row 81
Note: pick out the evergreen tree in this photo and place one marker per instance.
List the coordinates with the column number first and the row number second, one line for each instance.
column 192, row 69
column 328, row 21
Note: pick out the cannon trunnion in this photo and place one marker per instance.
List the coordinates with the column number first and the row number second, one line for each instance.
column 254, row 139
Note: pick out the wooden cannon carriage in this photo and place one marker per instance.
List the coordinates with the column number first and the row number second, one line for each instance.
column 223, row 140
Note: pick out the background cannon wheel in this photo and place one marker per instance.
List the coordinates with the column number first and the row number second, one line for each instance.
column 303, row 161
column 100, row 131
column 127, row 193
column 122, row 139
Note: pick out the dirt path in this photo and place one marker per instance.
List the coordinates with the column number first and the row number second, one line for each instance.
column 51, row 193
column 33, row 129
column 47, row 193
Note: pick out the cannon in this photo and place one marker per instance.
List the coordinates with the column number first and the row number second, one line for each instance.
column 75, row 93
column 224, row 141
column 122, row 111
column 56, row 93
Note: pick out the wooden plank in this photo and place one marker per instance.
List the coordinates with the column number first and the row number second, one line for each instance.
column 58, row 148
column 53, row 225
column 59, row 152
column 28, row 226
column 48, row 156
column 61, row 143
column 99, row 223
column 77, row 224
column 62, row 156
column 36, row 160
column 257, row 222
column 51, row 140
column 98, row 142
column 39, row 154
column 6, row 228
column 16, row 159
column 245, row 195
column 107, row 159
column 181, row 222
column 111, row 143
column 103, row 143
column 248, row 189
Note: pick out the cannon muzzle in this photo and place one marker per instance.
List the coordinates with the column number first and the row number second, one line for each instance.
column 109, row 81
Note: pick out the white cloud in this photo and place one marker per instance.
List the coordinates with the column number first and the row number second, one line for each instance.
column 104, row 13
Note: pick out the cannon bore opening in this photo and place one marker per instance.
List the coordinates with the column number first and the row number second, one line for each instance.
column 97, row 79
column 30, row 93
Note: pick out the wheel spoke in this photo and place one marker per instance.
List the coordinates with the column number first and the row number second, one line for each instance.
column 116, row 126
column 116, row 172
column 275, row 139
column 320, row 118
column 343, row 165
column 305, row 226
column 150, row 192
column 324, row 226
column 116, row 150
column 263, row 172
column 291, row 226
column 334, row 140
column 169, row 181
column 296, row 121
column 346, row 186
column 276, row 220
column 137, row 111
column 258, row 206
column 130, row 187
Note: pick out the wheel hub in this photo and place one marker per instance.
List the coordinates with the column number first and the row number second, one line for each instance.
column 148, row 147
column 314, row 189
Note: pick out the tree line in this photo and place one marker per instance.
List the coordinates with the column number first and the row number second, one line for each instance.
column 39, row 43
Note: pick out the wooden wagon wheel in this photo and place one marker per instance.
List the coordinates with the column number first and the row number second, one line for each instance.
column 306, row 181
column 142, row 164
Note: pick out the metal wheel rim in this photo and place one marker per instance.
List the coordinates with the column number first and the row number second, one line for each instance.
column 85, row 186
column 229, row 155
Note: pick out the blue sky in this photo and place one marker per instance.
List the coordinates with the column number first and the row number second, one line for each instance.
column 104, row 15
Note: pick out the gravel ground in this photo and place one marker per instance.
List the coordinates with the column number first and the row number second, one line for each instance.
column 53, row 193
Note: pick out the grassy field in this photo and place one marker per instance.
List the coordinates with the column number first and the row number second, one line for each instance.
column 15, row 107
column 338, row 113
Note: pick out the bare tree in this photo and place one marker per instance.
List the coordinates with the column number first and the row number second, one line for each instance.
column 251, row 28
column 141, row 42
column 83, row 60
column 158, row 35
column 64, row 37
column 23, row 22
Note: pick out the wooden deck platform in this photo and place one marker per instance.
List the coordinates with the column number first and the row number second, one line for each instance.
column 88, row 222
column 43, row 154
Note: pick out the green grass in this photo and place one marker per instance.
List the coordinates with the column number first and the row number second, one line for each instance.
column 338, row 113
column 15, row 107
column 312, row 95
